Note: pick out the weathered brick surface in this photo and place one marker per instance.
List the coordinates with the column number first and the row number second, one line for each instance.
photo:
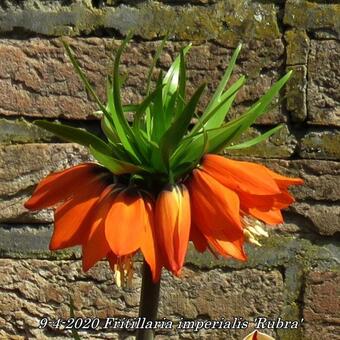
column 317, row 16
column 321, row 145
column 324, row 218
column 26, row 240
column 21, row 167
column 321, row 305
column 280, row 145
column 21, row 131
column 37, row 80
column 324, row 83
column 149, row 20
column 296, row 93
column 298, row 44
column 32, row 289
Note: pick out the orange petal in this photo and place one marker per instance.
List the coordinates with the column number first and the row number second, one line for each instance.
column 61, row 185
column 72, row 218
column 149, row 246
column 96, row 247
column 283, row 200
column 198, row 239
column 124, row 223
column 282, row 181
column 215, row 212
column 215, row 208
column 231, row 247
column 240, row 176
column 263, row 202
column 272, row 216
column 172, row 218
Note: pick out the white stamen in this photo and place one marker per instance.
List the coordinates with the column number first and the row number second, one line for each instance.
column 253, row 229
column 123, row 271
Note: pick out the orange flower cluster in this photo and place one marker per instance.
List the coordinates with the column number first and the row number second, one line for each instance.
column 219, row 207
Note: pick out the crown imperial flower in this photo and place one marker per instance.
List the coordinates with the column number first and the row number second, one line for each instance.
column 158, row 182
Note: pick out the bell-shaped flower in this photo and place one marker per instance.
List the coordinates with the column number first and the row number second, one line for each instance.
column 76, row 190
column 172, row 223
column 215, row 216
column 262, row 192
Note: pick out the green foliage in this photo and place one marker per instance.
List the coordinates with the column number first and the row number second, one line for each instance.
column 161, row 140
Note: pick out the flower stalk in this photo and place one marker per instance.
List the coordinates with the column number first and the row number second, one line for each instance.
column 149, row 300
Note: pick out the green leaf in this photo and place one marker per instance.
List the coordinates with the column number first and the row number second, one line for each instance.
column 256, row 140
column 216, row 137
column 141, row 108
column 182, row 83
column 154, row 61
column 143, row 144
column 171, row 78
column 109, row 132
column 116, row 166
column 121, row 125
column 238, row 126
column 74, row 135
column 220, row 111
column 175, row 133
column 148, row 122
column 224, row 80
column 220, row 137
column 216, row 116
column 262, row 104
column 110, row 105
column 123, row 130
column 157, row 115
column 195, row 158
column 130, row 107
column 182, row 147
column 170, row 111
column 182, row 169
column 84, row 79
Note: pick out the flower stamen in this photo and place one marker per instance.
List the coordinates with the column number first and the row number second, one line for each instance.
column 253, row 229
column 123, row 271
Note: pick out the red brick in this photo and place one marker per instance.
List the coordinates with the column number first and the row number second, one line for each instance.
column 322, row 305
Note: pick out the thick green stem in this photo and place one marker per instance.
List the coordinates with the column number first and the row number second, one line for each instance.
column 148, row 302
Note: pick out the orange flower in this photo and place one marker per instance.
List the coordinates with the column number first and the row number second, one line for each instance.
column 172, row 217
column 215, row 216
column 220, row 206
column 78, row 188
column 129, row 227
column 223, row 190
column 61, row 185
column 262, row 191
column 106, row 219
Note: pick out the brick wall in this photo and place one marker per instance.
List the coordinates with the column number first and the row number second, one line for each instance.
column 294, row 275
